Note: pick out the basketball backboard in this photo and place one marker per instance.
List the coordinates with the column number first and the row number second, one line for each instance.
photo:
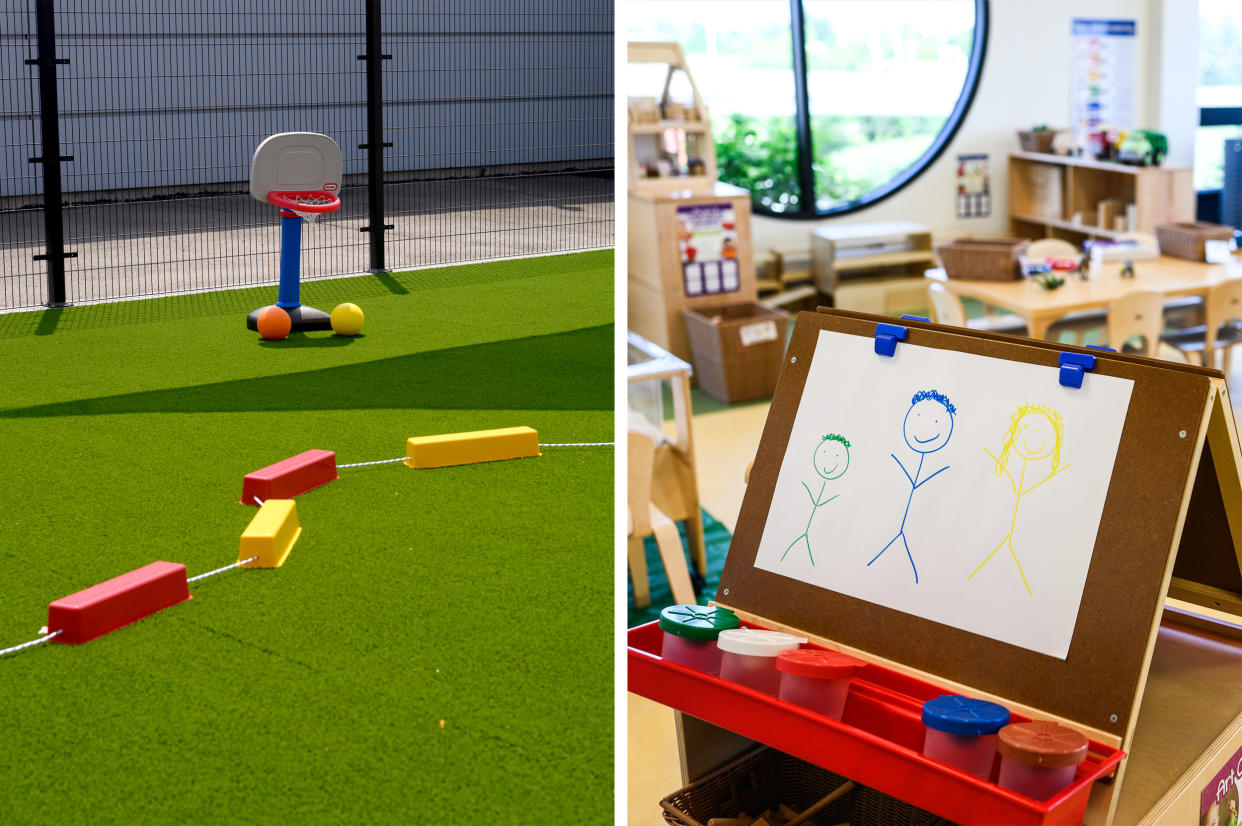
column 295, row 162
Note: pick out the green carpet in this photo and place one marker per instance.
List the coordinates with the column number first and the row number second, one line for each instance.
column 717, row 539
column 480, row 596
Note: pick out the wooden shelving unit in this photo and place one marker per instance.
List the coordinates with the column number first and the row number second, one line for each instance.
column 1046, row 192
column 670, row 138
column 873, row 267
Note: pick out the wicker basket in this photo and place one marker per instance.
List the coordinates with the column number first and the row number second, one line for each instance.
column 1185, row 240
column 737, row 349
column 983, row 259
column 764, row 778
column 1036, row 140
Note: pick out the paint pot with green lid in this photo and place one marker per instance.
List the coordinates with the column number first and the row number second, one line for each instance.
column 690, row 633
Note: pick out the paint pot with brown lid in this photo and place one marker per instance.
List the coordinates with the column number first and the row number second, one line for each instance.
column 1039, row 758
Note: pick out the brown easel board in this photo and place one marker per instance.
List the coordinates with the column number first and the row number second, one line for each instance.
column 1175, row 415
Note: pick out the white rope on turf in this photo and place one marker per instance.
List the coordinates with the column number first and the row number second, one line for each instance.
column 44, row 638
column 380, row 462
column 541, row 444
column 216, row 571
column 259, row 501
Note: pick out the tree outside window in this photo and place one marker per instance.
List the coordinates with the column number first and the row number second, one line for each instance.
column 824, row 106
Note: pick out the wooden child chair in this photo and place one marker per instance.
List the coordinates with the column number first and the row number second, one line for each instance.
column 1222, row 330
column 645, row 519
column 946, row 308
column 1139, row 313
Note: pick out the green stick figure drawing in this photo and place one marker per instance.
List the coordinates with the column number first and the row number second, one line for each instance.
column 1035, row 433
column 830, row 460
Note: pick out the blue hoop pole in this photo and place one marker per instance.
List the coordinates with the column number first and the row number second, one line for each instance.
column 289, row 295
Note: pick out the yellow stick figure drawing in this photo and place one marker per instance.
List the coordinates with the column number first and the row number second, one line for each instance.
column 1034, row 434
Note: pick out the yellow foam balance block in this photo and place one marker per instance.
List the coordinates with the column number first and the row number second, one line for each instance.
column 271, row 534
column 468, row 448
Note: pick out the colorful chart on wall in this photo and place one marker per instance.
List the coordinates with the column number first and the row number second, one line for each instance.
column 954, row 487
column 1103, row 74
column 707, row 240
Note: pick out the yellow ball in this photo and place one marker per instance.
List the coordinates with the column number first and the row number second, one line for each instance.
column 347, row 320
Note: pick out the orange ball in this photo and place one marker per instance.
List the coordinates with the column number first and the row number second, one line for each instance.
column 274, row 323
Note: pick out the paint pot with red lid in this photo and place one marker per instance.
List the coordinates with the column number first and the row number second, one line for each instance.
column 815, row 679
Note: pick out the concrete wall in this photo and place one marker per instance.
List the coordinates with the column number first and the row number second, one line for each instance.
column 179, row 93
column 1025, row 81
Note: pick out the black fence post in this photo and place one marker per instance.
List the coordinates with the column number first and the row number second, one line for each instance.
column 375, row 135
column 49, row 126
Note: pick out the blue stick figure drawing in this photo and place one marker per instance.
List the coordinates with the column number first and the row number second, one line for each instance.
column 831, row 459
column 928, row 426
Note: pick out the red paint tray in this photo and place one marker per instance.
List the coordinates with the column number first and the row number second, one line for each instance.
column 878, row 742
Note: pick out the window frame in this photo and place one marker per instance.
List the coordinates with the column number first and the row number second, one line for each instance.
column 807, row 207
column 1208, row 201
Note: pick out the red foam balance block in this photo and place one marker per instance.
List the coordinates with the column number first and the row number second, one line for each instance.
column 287, row 479
column 122, row 600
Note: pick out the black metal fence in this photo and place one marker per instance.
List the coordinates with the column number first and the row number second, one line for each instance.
column 470, row 129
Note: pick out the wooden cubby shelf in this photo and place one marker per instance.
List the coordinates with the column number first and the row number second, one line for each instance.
column 1047, row 191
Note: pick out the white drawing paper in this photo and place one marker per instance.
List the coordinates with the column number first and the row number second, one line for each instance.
column 962, row 489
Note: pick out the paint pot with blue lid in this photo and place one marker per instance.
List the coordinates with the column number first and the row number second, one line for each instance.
column 961, row 731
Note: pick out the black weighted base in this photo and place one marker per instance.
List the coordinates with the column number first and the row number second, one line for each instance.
column 303, row 317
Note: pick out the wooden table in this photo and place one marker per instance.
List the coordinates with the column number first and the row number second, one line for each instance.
column 1039, row 308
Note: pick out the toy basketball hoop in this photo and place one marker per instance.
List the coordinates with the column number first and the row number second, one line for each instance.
column 309, row 204
column 299, row 172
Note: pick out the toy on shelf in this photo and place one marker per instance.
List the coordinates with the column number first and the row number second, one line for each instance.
column 670, row 141
column 300, row 172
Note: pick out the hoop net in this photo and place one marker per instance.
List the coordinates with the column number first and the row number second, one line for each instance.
column 309, row 205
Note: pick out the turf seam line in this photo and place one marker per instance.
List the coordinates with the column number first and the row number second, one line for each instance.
column 213, row 573
column 44, row 638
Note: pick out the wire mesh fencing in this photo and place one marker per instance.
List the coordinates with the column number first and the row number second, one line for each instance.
column 23, row 280
column 497, row 123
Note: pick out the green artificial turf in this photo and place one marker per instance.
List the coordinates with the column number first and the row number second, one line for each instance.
column 479, row 595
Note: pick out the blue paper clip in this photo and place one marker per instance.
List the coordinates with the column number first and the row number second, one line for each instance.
column 1073, row 366
column 887, row 336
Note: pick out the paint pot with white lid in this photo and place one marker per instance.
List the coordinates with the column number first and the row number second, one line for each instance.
column 748, row 656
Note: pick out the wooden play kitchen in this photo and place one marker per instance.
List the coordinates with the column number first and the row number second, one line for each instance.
column 1149, row 677
column 690, row 240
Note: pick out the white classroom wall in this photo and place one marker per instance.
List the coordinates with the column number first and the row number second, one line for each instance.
column 1026, row 81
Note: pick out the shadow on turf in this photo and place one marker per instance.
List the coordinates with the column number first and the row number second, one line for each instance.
column 391, row 284
column 561, row 371
column 49, row 320
column 295, row 340
column 316, row 292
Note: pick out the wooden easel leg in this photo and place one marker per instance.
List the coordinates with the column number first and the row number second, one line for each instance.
column 638, row 572
column 696, row 542
column 674, row 557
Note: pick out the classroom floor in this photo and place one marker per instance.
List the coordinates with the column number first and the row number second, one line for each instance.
column 725, row 443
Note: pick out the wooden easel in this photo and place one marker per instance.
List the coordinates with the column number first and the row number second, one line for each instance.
column 1170, row 534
